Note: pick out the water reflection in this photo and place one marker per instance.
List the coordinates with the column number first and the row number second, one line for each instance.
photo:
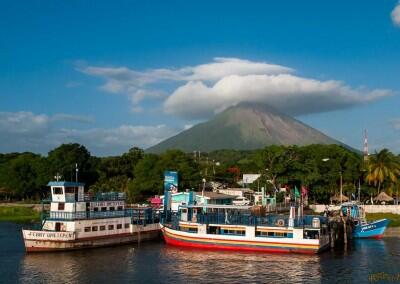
column 89, row 266
column 232, row 267
column 157, row 263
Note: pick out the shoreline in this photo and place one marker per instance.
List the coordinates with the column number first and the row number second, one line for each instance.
column 20, row 213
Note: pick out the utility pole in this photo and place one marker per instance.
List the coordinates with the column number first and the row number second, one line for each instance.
column 214, row 167
column 76, row 172
column 341, row 187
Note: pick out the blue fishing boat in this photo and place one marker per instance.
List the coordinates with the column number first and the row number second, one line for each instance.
column 362, row 228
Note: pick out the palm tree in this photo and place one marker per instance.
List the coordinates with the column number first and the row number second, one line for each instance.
column 381, row 167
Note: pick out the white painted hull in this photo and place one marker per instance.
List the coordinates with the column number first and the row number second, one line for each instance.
column 41, row 241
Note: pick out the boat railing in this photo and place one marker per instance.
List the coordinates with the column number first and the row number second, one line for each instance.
column 105, row 196
column 233, row 219
column 250, row 220
column 138, row 216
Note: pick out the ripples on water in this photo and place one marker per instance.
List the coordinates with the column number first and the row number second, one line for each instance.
column 156, row 263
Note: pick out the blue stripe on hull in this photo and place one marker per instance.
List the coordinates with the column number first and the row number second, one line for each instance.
column 371, row 230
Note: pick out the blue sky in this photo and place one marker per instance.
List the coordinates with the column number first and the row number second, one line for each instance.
column 117, row 74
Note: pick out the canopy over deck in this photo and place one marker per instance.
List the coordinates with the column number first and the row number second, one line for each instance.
column 215, row 206
column 65, row 183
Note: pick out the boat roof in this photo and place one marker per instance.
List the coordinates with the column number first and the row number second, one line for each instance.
column 65, row 183
column 216, row 206
column 215, row 195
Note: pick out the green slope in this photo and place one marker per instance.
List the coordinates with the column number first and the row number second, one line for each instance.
column 244, row 127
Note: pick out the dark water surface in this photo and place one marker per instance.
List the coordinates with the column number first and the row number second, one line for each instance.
column 157, row 263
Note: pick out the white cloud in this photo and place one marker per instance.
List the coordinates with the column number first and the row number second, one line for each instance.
column 122, row 80
column 142, row 94
column 212, row 87
column 396, row 15
column 72, row 117
column 395, row 123
column 116, row 140
column 285, row 92
column 26, row 131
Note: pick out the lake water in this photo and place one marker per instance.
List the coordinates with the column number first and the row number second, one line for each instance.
column 155, row 262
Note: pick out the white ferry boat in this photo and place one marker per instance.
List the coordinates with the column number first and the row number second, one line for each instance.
column 79, row 220
column 237, row 228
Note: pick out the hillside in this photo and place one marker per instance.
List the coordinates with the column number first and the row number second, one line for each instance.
column 244, row 127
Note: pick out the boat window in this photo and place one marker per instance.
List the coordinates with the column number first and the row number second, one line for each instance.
column 232, row 232
column 111, row 227
column 112, row 208
column 103, row 209
column 273, row 234
column 96, row 209
column 102, row 228
column 213, row 230
column 311, row 235
column 126, row 225
column 70, row 190
column 119, row 208
column 95, row 228
column 57, row 190
column 119, row 226
column 87, row 229
column 61, row 206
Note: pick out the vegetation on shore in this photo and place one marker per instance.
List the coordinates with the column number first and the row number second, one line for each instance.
column 318, row 167
column 21, row 214
column 394, row 218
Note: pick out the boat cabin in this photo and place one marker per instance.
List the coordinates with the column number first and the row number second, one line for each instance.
column 245, row 221
column 66, row 191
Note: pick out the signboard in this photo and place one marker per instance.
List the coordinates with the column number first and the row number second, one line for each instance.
column 171, row 181
column 43, row 235
column 250, row 178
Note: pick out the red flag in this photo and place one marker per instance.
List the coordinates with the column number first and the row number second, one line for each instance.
column 304, row 190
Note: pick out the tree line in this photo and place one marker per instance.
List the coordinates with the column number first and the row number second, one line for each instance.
column 140, row 174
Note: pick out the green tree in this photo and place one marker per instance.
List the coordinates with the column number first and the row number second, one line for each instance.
column 62, row 160
column 149, row 173
column 24, row 176
column 382, row 166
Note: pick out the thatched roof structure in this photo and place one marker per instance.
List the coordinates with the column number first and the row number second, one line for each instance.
column 336, row 198
column 383, row 197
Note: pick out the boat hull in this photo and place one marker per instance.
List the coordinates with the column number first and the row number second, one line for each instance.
column 68, row 242
column 182, row 239
column 371, row 230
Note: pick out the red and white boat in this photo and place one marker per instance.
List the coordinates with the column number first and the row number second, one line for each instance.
column 77, row 220
column 237, row 228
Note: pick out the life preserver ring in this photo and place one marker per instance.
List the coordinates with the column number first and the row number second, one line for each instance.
column 280, row 222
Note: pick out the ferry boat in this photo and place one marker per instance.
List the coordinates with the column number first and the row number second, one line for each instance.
column 79, row 220
column 363, row 228
column 239, row 228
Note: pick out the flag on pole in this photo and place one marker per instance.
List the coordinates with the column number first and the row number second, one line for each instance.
column 304, row 191
column 296, row 192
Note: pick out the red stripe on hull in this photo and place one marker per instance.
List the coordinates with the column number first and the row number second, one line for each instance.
column 176, row 242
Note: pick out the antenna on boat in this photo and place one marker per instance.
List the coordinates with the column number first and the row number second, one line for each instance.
column 57, row 177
